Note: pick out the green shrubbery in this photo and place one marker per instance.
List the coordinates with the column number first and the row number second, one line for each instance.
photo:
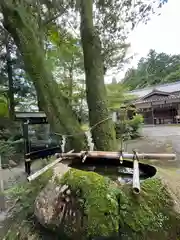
column 10, row 145
column 11, row 142
column 6, row 152
column 135, row 125
column 4, row 111
column 11, row 150
column 129, row 129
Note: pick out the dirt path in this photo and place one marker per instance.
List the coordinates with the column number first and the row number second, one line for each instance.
column 16, row 175
column 10, row 178
column 13, row 176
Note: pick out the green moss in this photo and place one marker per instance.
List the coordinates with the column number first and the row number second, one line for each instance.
column 99, row 201
column 149, row 214
column 21, row 231
column 145, row 216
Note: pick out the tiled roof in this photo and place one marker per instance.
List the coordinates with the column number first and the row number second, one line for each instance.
column 169, row 88
column 158, row 99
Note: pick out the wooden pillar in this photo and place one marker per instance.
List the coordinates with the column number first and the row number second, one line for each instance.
column 26, row 148
column 152, row 111
column 177, row 113
column 143, row 113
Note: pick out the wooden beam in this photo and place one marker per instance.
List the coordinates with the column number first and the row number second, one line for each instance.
column 116, row 155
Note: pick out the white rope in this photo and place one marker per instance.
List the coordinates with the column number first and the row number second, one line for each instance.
column 90, row 141
column 84, row 132
column 63, row 143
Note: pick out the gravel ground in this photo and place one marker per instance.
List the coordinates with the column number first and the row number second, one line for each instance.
column 158, row 139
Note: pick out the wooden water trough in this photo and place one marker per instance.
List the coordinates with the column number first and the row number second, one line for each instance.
column 120, row 157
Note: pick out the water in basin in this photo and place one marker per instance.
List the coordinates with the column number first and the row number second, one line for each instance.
column 122, row 172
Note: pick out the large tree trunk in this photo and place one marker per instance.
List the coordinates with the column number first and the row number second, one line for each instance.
column 24, row 30
column 10, row 78
column 71, row 81
column 103, row 134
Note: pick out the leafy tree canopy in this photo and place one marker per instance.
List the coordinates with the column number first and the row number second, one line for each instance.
column 58, row 23
column 155, row 68
column 117, row 96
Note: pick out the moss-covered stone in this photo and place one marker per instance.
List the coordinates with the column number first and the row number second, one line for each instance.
column 149, row 215
column 106, row 206
column 99, row 201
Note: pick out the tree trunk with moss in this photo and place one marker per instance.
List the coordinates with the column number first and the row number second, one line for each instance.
column 18, row 20
column 10, row 79
column 103, row 134
column 40, row 107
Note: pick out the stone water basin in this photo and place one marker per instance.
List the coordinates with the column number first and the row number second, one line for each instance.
column 114, row 169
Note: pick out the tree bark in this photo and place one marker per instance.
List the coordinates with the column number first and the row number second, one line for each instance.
column 71, row 81
column 104, row 133
column 10, row 79
column 24, row 31
column 40, row 107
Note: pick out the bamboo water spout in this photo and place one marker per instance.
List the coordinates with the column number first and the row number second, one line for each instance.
column 119, row 156
column 46, row 168
column 136, row 175
column 116, row 155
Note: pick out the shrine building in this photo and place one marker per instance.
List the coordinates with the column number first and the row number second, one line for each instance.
column 159, row 104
